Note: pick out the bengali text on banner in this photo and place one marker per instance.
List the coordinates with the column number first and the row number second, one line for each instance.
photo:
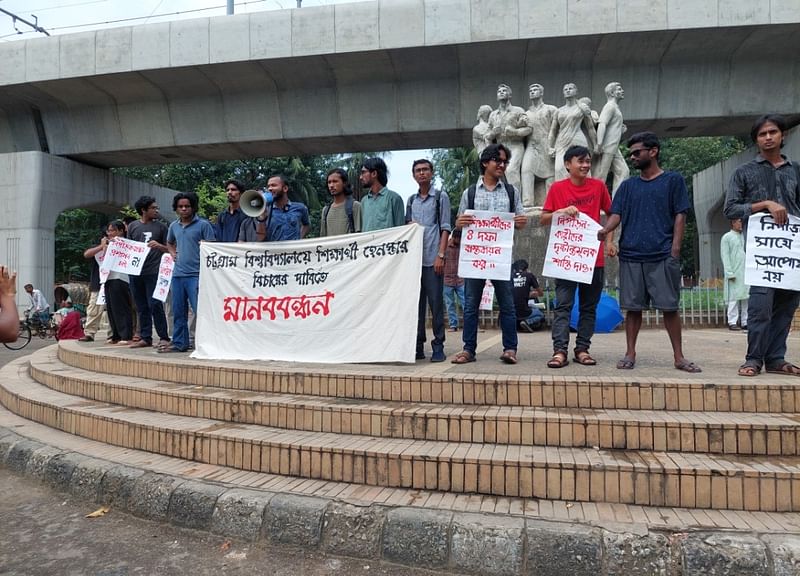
column 487, row 245
column 572, row 248
column 772, row 258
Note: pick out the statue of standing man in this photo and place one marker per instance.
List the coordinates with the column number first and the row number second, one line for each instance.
column 572, row 126
column 509, row 127
column 609, row 133
column 538, row 167
column 480, row 133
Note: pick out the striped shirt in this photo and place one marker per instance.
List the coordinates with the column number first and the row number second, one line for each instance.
column 759, row 180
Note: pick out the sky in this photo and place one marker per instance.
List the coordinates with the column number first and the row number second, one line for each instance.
column 70, row 16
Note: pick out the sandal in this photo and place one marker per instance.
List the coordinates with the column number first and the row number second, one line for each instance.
column 626, row 363
column 583, row 358
column 463, row 357
column 687, row 366
column 785, row 368
column 169, row 350
column 559, row 360
column 748, row 370
column 509, row 357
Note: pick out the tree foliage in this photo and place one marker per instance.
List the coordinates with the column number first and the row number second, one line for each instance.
column 76, row 230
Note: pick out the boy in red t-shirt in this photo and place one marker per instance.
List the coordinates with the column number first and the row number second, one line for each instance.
column 577, row 193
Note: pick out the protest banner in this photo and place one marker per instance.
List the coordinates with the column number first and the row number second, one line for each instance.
column 771, row 255
column 572, row 248
column 338, row 299
column 125, row 256
column 486, row 246
column 165, row 269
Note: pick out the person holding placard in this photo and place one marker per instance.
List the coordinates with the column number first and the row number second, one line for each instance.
column 652, row 209
column 118, row 295
column 768, row 183
column 577, row 193
column 490, row 193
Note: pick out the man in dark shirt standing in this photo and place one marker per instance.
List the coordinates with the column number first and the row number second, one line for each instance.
column 226, row 228
column 150, row 230
column 768, row 183
column 652, row 209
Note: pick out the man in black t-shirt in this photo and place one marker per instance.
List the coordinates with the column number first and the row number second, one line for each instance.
column 153, row 232
column 526, row 288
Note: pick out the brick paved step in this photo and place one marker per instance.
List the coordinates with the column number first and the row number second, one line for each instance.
column 636, row 477
column 391, row 384
column 702, row 432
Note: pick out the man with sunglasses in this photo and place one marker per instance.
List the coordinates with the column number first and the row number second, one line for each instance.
column 490, row 193
column 652, row 209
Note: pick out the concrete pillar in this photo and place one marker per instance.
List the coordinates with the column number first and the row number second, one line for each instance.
column 34, row 189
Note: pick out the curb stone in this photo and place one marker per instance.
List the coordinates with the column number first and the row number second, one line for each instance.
column 239, row 513
column 291, row 519
column 485, row 544
column 785, row 551
column 151, row 495
column 192, row 504
column 353, row 530
column 417, row 537
column 724, row 554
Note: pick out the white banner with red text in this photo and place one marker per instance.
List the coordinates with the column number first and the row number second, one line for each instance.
column 486, row 246
column 350, row 298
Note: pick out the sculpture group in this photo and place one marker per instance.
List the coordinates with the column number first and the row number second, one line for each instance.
column 539, row 136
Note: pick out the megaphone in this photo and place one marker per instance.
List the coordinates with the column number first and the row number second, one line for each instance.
column 254, row 202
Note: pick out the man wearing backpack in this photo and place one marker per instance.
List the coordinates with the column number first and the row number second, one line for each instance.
column 343, row 215
column 490, row 193
column 430, row 208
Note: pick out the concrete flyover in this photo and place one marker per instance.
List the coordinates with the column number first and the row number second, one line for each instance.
column 387, row 74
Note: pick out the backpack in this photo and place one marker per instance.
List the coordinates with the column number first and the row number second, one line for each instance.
column 348, row 208
column 509, row 189
column 438, row 204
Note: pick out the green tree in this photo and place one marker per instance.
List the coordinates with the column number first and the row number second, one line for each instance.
column 76, row 230
column 458, row 169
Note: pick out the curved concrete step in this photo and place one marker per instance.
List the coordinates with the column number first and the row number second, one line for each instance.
column 777, row 395
column 659, row 430
column 643, row 477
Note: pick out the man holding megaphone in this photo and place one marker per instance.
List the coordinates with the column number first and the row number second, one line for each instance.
column 271, row 216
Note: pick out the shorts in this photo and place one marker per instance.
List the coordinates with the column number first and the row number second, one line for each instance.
column 650, row 284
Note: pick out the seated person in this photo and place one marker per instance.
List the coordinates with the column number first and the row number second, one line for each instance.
column 67, row 317
column 526, row 292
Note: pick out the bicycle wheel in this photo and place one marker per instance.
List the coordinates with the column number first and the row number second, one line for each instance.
column 41, row 331
column 23, row 338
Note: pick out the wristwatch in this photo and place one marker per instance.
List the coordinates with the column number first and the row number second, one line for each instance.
column 440, row 255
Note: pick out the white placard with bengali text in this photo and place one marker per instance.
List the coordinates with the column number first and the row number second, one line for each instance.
column 487, row 245
column 572, row 248
column 338, row 299
column 125, row 256
column 772, row 254
column 487, row 297
column 165, row 269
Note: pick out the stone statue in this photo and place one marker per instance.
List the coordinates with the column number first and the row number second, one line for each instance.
column 480, row 133
column 537, row 165
column 572, row 126
column 609, row 133
column 509, row 126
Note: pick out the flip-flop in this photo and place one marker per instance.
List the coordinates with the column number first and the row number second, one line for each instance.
column 748, row 370
column 786, row 368
column 463, row 357
column 686, row 366
column 626, row 363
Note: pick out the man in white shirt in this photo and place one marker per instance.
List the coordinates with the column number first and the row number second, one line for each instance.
column 39, row 305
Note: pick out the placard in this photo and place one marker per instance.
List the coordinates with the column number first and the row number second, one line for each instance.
column 772, row 253
column 487, row 245
column 572, row 248
column 165, row 269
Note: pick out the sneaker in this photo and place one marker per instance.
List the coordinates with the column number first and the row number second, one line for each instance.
column 733, row 327
column 86, row 338
column 525, row 327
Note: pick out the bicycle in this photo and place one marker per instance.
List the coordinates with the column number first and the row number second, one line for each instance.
column 31, row 325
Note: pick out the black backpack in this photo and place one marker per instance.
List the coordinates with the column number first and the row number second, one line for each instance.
column 348, row 208
column 509, row 188
column 438, row 204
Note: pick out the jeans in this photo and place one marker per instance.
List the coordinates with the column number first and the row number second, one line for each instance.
column 588, row 297
column 504, row 291
column 451, row 294
column 148, row 309
column 184, row 291
column 769, row 316
column 431, row 293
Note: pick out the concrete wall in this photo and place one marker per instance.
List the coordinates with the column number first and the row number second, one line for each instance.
column 709, row 197
column 34, row 189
